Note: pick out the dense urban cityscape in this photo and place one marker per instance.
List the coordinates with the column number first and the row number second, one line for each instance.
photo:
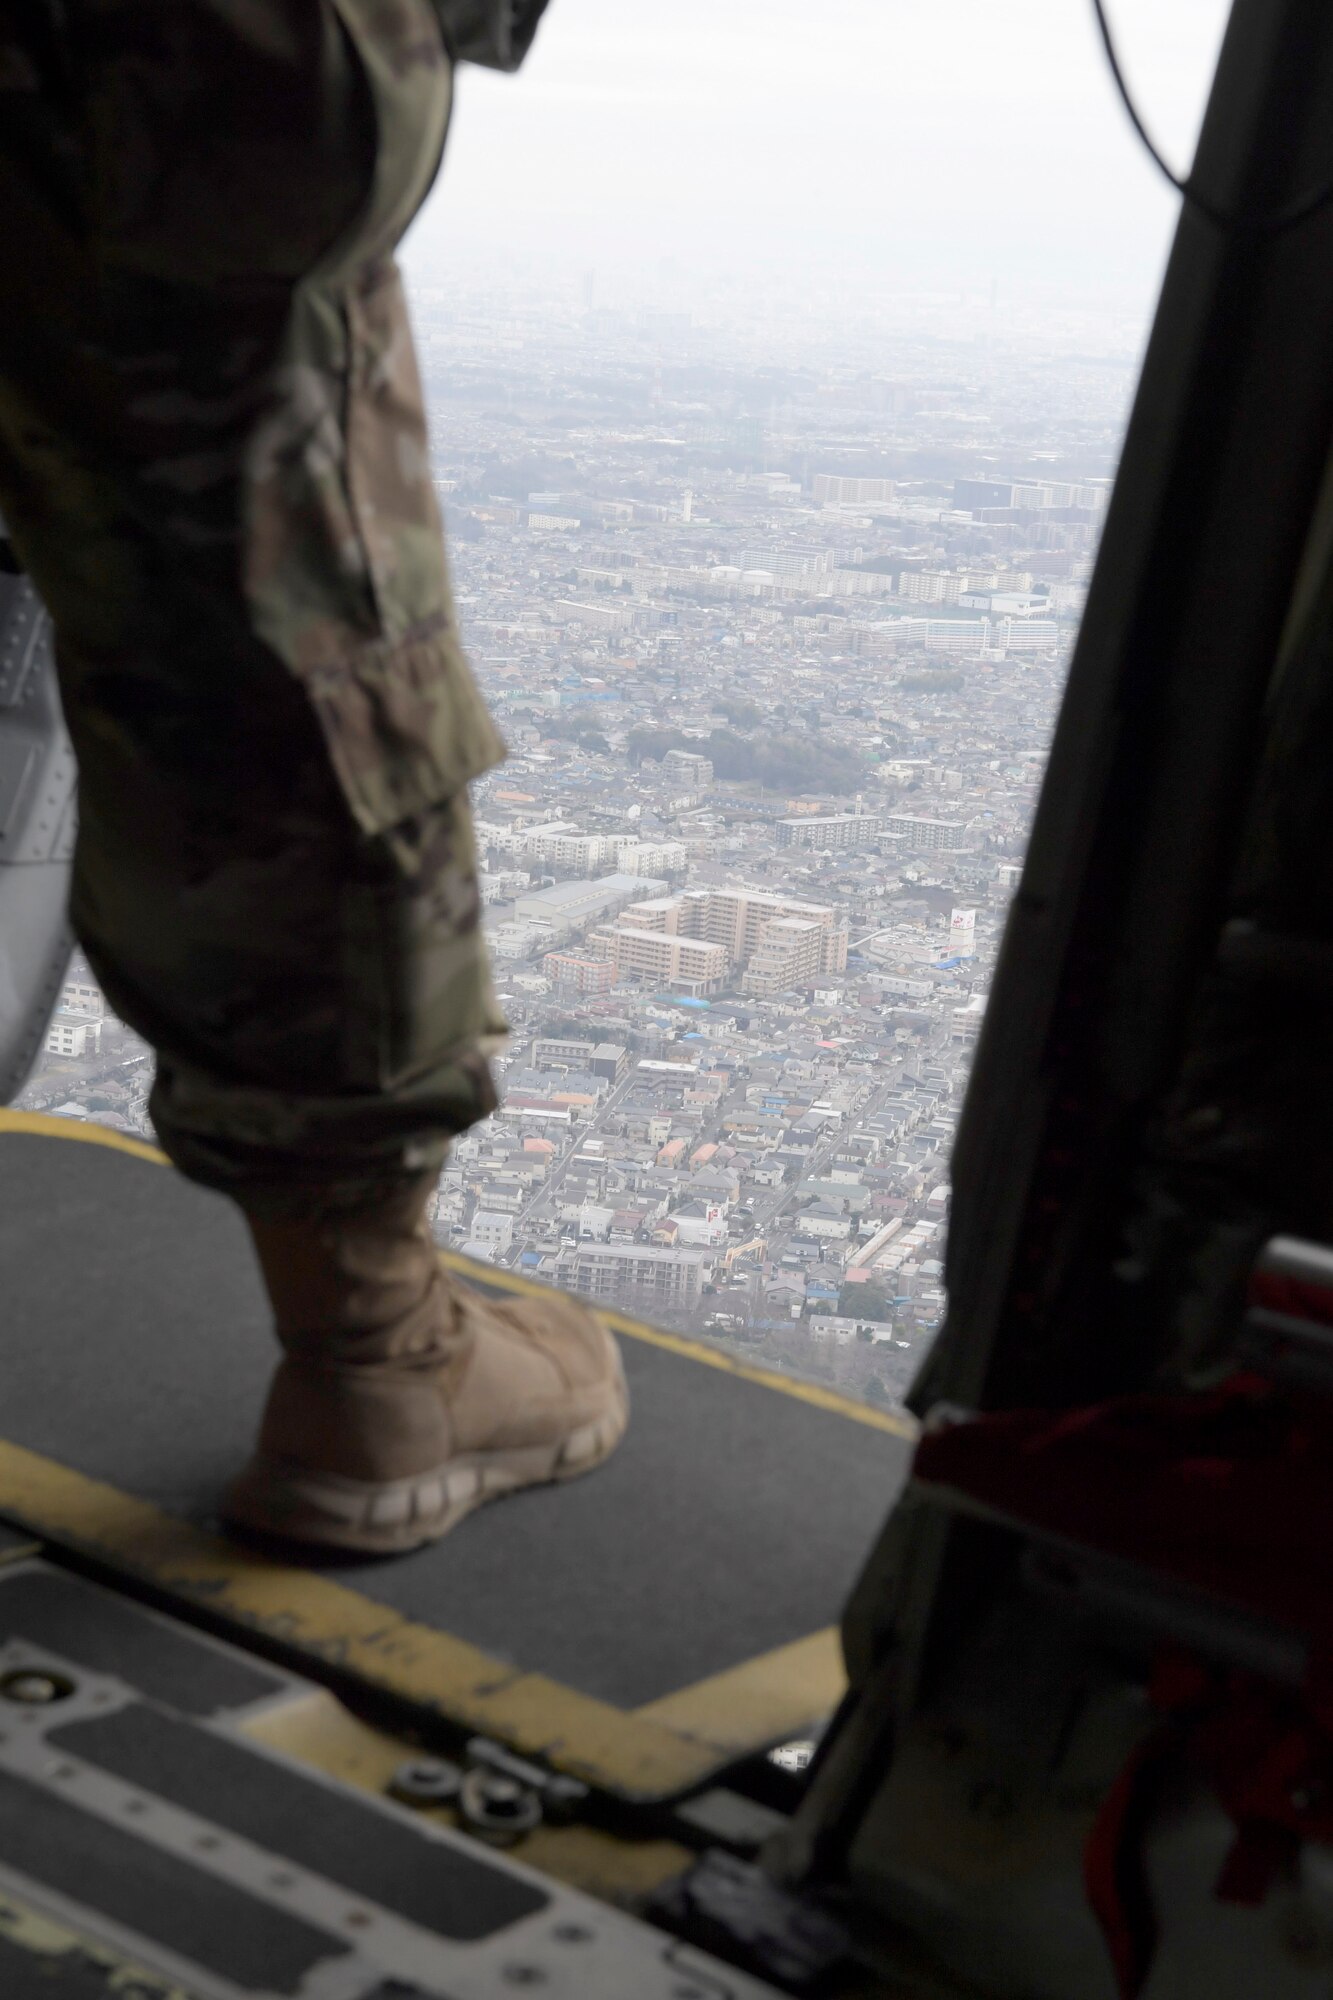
column 773, row 611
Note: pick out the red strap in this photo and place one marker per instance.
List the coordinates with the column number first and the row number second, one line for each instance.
column 1113, row 1874
column 1229, row 1492
column 1268, row 1756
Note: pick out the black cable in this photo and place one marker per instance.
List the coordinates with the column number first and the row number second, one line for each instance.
column 1297, row 210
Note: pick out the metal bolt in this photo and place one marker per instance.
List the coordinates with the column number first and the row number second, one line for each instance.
column 561, row 1798
column 498, row 1808
column 503, row 1797
column 425, row 1781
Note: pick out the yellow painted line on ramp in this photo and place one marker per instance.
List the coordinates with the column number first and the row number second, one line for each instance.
column 309, row 1615
column 895, row 1422
column 762, row 1697
column 39, row 1126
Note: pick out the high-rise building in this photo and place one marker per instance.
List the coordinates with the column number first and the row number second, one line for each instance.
column 787, row 956
column 694, row 940
column 738, row 918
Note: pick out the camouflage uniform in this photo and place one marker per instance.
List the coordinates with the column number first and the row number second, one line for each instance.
column 213, row 460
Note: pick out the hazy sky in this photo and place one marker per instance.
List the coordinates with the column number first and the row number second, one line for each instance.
column 947, row 139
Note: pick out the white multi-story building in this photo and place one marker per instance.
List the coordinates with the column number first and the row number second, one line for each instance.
column 688, row 768
column 832, row 832
column 492, row 1229
column 74, row 1035
column 657, row 958
column 637, row 1275
column 923, row 835
column 694, row 940
column 834, row 489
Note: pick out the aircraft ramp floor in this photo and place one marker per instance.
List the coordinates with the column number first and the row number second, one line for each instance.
column 643, row 1628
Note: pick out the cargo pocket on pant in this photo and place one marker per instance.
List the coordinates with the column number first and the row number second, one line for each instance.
column 405, row 727
column 347, row 574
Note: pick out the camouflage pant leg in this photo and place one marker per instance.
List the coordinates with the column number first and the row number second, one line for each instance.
column 213, row 460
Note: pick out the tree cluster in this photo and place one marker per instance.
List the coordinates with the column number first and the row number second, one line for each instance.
column 778, row 762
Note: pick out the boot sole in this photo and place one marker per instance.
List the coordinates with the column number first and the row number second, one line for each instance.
column 276, row 1498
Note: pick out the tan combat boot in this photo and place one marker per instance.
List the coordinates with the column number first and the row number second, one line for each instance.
column 405, row 1399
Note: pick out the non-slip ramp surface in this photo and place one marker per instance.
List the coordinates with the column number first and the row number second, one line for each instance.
column 157, row 1853
column 731, row 1523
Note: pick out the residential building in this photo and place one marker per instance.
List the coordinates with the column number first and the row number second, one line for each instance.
column 788, row 955
column 922, row 834
column 576, row 977
column 75, row 1035
column 492, row 1229
column 833, row 832
column 679, row 964
column 82, row 996
column 689, row 768
column 637, row 1275
column 832, row 489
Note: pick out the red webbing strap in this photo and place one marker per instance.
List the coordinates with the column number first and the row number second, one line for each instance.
column 1113, row 1874
column 1229, row 1492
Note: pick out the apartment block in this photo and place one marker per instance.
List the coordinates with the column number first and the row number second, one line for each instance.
column 693, row 941
column 688, row 768
column 81, row 996
column 76, row 1035
column 930, row 586
column 657, row 958
column 825, row 833
column 738, row 919
column 787, row 955
column 637, row 1275
column 576, row 977
column 922, row 835
column 836, row 490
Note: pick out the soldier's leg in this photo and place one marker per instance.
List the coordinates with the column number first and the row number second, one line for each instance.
column 212, row 456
